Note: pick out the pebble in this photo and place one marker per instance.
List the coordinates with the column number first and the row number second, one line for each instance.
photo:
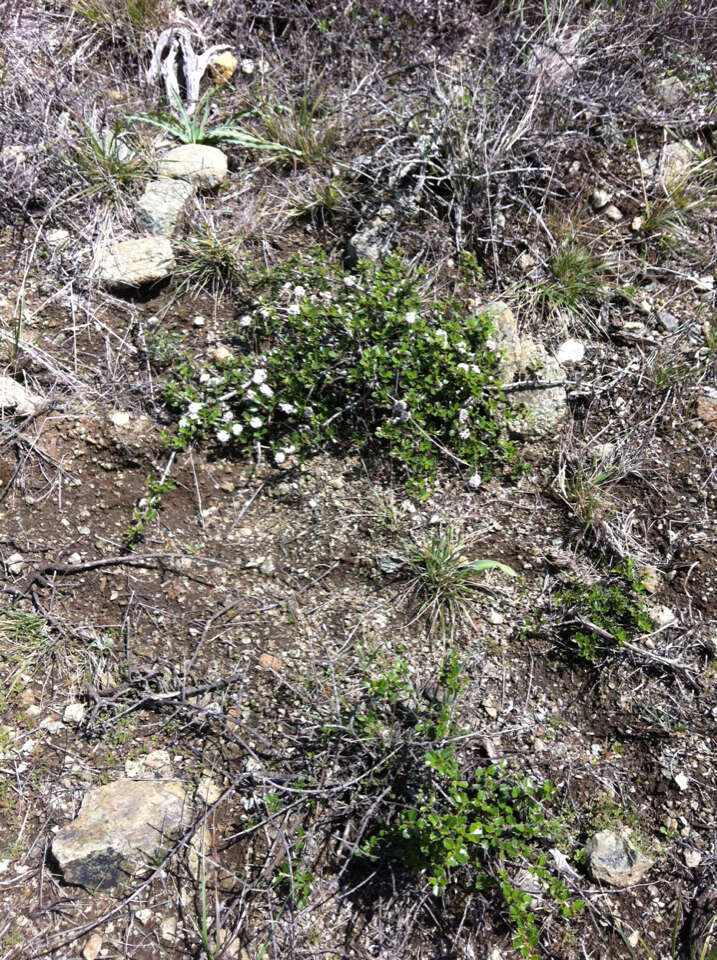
column 120, row 418
column 682, row 781
column 667, row 321
column 74, row 713
column 15, row 563
column 570, row 351
column 704, row 284
column 693, row 858
column 636, row 224
column 92, row 947
column 612, row 213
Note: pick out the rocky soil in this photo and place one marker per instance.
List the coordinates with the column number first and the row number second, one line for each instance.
column 191, row 638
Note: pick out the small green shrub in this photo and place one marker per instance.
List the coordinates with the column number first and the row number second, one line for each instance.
column 454, row 830
column 323, row 355
column 598, row 618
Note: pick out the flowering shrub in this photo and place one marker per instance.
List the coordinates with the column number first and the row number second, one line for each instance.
column 325, row 355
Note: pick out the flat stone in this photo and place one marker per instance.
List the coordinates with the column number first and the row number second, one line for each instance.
column 119, row 827
column 614, row 860
column 137, row 263
column 16, row 399
column 612, row 213
column 160, row 209
column 204, row 166
column 540, row 409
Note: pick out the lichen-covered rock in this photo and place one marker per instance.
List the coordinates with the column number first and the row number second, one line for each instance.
column 120, row 826
column 137, row 263
column 206, row 167
column 614, row 860
column 540, row 409
column 160, row 209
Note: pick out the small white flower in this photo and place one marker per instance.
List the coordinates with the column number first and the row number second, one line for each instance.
column 463, row 367
column 279, row 457
column 293, row 309
column 463, row 415
column 250, row 394
column 287, row 408
column 325, row 294
column 464, row 434
column 266, row 390
column 255, row 423
column 204, row 378
column 237, row 429
column 475, row 481
column 411, row 316
column 183, row 423
column 289, row 450
column 349, row 282
column 299, row 291
column 259, row 376
column 265, row 312
column 228, row 416
column 223, row 436
column 442, row 334
column 194, row 407
column 245, row 321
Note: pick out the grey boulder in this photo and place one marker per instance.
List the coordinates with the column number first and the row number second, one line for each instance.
column 121, row 826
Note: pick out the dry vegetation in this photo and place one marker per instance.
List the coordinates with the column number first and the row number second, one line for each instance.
column 400, row 748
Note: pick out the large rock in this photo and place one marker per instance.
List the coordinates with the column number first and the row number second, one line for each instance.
column 15, row 399
column 204, row 166
column 540, row 410
column 137, row 263
column 614, row 860
column 160, row 209
column 120, row 826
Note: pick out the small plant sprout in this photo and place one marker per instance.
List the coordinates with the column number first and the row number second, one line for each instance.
column 444, row 580
column 197, row 128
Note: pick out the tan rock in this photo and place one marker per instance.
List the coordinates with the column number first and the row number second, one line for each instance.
column 120, row 826
column 707, row 410
column 92, row 947
column 137, row 263
column 206, row 167
column 223, row 67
